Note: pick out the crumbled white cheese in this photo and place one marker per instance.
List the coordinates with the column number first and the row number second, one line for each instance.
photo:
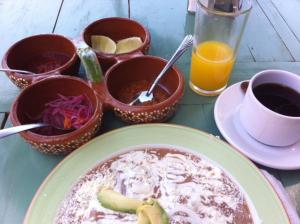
column 190, row 189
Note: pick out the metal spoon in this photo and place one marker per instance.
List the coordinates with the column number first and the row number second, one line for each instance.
column 14, row 130
column 147, row 95
column 16, row 70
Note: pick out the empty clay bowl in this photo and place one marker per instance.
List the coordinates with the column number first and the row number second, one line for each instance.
column 30, row 103
column 42, row 54
column 126, row 79
column 117, row 28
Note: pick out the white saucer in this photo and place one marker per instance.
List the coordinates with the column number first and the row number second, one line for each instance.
column 226, row 114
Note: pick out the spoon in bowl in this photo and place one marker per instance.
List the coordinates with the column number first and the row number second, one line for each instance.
column 147, row 95
column 15, row 70
column 14, row 130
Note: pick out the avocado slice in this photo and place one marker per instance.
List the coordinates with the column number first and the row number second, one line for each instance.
column 142, row 218
column 155, row 213
column 115, row 201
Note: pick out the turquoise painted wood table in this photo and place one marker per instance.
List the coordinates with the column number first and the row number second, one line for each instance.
column 271, row 40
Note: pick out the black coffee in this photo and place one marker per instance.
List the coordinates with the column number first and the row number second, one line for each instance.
column 279, row 98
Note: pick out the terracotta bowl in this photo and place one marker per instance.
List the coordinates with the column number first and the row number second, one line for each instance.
column 125, row 79
column 111, row 94
column 31, row 101
column 127, row 74
column 117, row 28
column 42, row 54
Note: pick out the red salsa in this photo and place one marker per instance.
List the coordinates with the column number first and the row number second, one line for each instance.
column 47, row 62
column 130, row 92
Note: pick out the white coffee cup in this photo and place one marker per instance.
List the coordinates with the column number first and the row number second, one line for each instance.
column 263, row 124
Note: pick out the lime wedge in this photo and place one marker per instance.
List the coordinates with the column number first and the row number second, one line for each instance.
column 128, row 44
column 103, row 44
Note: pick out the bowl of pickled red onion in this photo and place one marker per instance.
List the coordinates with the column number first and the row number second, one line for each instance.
column 66, row 102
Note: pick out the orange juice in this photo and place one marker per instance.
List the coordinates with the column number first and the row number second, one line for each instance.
column 211, row 65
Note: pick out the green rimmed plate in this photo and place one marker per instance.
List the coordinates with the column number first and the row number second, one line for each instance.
column 47, row 200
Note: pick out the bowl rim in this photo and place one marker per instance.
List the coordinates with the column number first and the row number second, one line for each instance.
column 45, row 35
column 144, row 45
column 175, row 96
column 56, row 138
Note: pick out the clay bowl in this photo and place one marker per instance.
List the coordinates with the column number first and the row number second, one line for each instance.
column 125, row 79
column 31, row 101
column 42, row 54
column 122, row 82
column 117, row 28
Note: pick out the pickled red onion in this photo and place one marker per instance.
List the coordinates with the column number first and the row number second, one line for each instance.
column 68, row 112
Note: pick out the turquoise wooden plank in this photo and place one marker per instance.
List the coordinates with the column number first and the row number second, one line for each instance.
column 262, row 40
column 251, row 67
column 2, row 120
column 165, row 36
column 289, row 10
column 76, row 15
column 168, row 22
column 8, row 93
column 291, row 181
column 21, row 18
column 244, row 53
column 110, row 122
column 242, row 71
column 281, row 27
column 196, row 116
column 23, row 170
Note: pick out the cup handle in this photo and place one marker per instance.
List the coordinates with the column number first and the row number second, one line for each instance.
column 244, row 86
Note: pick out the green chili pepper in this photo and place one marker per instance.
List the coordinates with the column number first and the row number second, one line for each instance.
column 91, row 64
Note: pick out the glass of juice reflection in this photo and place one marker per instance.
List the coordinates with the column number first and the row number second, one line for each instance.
column 218, row 31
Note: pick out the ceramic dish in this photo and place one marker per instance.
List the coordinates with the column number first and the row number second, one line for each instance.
column 48, row 198
column 104, row 94
column 227, row 119
column 31, row 102
column 54, row 53
column 45, row 54
column 132, row 69
column 139, row 73
column 125, row 28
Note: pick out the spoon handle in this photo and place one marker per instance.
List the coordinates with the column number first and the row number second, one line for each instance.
column 13, row 130
column 15, row 70
column 185, row 44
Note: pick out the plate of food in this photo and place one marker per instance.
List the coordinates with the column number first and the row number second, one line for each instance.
column 156, row 173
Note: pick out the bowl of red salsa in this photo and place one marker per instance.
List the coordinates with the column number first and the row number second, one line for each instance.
column 126, row 79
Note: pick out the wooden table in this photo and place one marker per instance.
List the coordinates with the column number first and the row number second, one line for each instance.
column 271, row 40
